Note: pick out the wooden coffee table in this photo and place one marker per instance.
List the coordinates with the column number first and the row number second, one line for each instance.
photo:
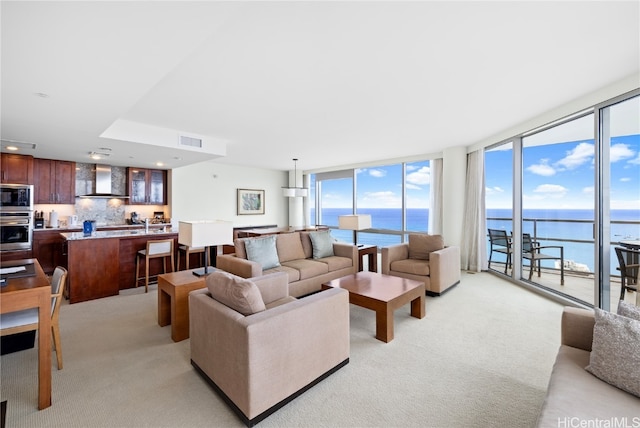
column 382, row 294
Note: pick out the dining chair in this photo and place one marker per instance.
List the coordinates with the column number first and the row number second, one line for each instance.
column 187, row 250
column 155, row 249
column 628, row 261
column 27, row 320
column 501, row 243
column 531, row 250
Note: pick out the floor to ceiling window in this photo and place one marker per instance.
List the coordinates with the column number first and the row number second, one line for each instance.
column 574, row 188
column 395, row 195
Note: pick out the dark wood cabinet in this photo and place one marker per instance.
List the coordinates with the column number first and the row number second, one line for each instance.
column 147, row 186
column 49, row 247
column 54, row 181
column 16, row 169
column 16, row 255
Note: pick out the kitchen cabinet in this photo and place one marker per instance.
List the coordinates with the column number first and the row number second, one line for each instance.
column 49, row 247
column 147, row 186
column 54, row 181
column 16, row 169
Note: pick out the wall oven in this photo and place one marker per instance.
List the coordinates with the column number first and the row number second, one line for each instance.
column 16, row 217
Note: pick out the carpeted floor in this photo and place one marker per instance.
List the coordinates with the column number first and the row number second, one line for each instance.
column 480, row 358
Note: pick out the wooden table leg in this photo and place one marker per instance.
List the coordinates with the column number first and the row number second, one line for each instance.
column 180, row 314
column 384, row 324
column 44, row 350
column 164, row 306
column 417, row 307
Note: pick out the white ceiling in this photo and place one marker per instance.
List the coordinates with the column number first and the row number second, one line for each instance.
column 330, row 83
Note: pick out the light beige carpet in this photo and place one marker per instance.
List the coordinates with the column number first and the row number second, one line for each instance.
column 480, row 358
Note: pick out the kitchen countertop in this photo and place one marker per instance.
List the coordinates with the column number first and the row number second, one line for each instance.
column 103, row 227
column 101, row 234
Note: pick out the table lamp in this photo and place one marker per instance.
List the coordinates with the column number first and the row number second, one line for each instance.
column 354, row 222
column 208, row 233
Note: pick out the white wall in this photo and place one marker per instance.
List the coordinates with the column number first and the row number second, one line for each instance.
column 207, row 191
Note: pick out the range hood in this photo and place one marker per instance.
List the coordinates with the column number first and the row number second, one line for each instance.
column 103, row 184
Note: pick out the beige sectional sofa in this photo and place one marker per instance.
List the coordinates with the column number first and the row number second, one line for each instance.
column 259, row 347
column 295, row 257
column 575, row 397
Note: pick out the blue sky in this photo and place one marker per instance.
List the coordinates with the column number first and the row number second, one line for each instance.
column 381, row 187
column 561, row 176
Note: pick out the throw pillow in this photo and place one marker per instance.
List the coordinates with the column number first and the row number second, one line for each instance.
column 239, row 294
column 322, row 243
column 420, row 246
column 263, row 251
column 615, row 352
column 628, row 310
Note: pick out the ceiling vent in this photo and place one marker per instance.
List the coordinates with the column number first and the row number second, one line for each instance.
column 190, row 141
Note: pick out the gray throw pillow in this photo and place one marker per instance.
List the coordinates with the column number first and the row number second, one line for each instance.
column 615, row 351
column 628, row 310
column 322, row 243
column 263, row 251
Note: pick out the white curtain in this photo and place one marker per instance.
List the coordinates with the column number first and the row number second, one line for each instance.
column 474, row 236
column 435, row 203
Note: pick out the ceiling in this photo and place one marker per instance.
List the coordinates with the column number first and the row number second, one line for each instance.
column 330, row 83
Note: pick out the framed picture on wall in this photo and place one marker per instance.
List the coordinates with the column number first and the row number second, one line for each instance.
column 250, row 201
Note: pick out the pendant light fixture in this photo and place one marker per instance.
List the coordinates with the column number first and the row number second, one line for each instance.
column 295, row 191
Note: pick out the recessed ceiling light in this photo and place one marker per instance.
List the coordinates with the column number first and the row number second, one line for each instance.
column 159, row 164
column 12, row 148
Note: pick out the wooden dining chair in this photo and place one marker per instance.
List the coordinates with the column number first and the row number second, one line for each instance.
column 159, row 248
column 27, row 320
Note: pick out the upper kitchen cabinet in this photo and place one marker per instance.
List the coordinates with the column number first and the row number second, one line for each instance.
column 55, row 181
column 147, row 186
column 16, row 169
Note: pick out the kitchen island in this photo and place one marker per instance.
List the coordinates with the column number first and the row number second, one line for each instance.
column 102, row 263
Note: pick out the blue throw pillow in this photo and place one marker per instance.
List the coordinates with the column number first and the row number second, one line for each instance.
column 263, row 251
column 322, row 244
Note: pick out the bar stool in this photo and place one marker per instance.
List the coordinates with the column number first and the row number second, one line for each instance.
column 159, row 248
column 188, row 251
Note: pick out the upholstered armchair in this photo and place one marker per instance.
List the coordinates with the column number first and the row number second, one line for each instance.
column 259, row 347
column 424, row 258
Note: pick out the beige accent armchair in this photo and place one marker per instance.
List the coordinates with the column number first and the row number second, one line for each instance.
column 259, row 362
column 439, row 271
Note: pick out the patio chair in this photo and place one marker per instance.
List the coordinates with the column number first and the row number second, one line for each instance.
column 531, row 250
column 629, row 268
column 501, row 243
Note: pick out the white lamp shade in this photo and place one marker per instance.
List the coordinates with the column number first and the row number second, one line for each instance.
column 205, row 233
column 294, row 192
column 354, row 222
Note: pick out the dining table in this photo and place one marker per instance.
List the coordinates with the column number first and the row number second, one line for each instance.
column 30, row 288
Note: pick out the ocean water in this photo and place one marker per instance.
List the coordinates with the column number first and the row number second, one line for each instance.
column 551, row 227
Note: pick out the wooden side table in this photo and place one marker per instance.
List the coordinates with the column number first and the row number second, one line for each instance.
column 173, row 301
column 372, row 252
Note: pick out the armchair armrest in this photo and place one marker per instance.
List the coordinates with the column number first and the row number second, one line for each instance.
column 391, row 254
column 444, row 267
column 238, row 266
column 577, row 327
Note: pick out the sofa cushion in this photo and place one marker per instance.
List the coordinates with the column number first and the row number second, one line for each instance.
column 628, row 310
column 420, row 246
column 615, row 352
column 308, row 268
column 322, row 243
column 293, row 275
column 239, row 294
column 240, row 250
column 263, row 251
column 336, row 262
column 289, row 247
column 412, row 266
column 306, row 244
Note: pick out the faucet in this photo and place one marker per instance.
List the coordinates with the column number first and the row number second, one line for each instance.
column 146, row 225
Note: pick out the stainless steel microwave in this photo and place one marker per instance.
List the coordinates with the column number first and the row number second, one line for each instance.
column 16, row 197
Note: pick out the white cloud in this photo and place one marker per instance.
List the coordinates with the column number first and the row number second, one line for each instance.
column 619, row 152
column 588, row 190
column 493, row 190
column 378, row 173
column 384, row 199
column 551, row 190
column 421, row 177
column 542, row 168
column 579, row 155
column 625, row 179
column 635, row 161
